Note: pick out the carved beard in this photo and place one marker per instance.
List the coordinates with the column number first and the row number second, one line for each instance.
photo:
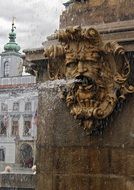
column 89, row 100
column 83, row 97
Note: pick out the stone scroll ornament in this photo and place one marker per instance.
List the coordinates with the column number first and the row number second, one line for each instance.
column 99, row 72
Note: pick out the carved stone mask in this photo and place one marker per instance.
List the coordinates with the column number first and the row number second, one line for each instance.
column 100, row 72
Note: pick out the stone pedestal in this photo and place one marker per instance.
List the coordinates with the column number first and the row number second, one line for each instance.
column 96, row 12
column 68, row 158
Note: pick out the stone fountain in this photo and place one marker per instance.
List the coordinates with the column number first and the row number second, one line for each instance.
column 85, row 126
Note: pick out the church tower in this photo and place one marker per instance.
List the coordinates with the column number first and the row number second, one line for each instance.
column 11, row 62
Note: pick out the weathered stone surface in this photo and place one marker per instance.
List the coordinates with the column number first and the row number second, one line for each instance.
column 91, row 182
column 81, row 160
column 97, row 12
column 70, row 159
column 113, row 19
column 130, row 184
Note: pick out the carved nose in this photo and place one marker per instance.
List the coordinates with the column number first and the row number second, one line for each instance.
column 81, row 68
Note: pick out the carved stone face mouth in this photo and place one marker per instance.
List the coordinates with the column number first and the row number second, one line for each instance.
column 84, row 81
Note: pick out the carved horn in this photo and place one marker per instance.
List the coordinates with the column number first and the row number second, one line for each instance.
column 54, row 51
column 118, row 53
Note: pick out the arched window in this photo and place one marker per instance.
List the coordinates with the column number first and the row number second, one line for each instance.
column 6, row 69
column 3, row 128
column 15, row 127
column 28, row 106
column 16, row 106
column 26, row 155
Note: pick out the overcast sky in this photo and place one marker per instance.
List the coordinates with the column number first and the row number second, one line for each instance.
column 35, row 19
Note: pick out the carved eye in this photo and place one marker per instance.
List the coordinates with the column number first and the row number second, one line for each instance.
column 71, row 64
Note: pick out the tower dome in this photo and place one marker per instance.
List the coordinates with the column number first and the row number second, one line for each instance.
column 12, row 45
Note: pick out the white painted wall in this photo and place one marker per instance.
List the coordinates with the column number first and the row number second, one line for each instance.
column 9, row 147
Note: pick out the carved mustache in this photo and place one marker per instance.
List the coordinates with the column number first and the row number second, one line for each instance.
column 84, row 80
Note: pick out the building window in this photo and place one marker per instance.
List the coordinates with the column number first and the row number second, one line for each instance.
column 27, row 128
column 16, row 106
column 28, row 106
column 2, row 154
column 3, row 128
column 15, row 128
column 6, row 69
column 26, row 155
column 4, row 107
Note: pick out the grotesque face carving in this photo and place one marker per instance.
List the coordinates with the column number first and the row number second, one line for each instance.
column 99, row 72
column 83, row 65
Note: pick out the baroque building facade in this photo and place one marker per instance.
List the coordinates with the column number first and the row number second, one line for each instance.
column 18, row 105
